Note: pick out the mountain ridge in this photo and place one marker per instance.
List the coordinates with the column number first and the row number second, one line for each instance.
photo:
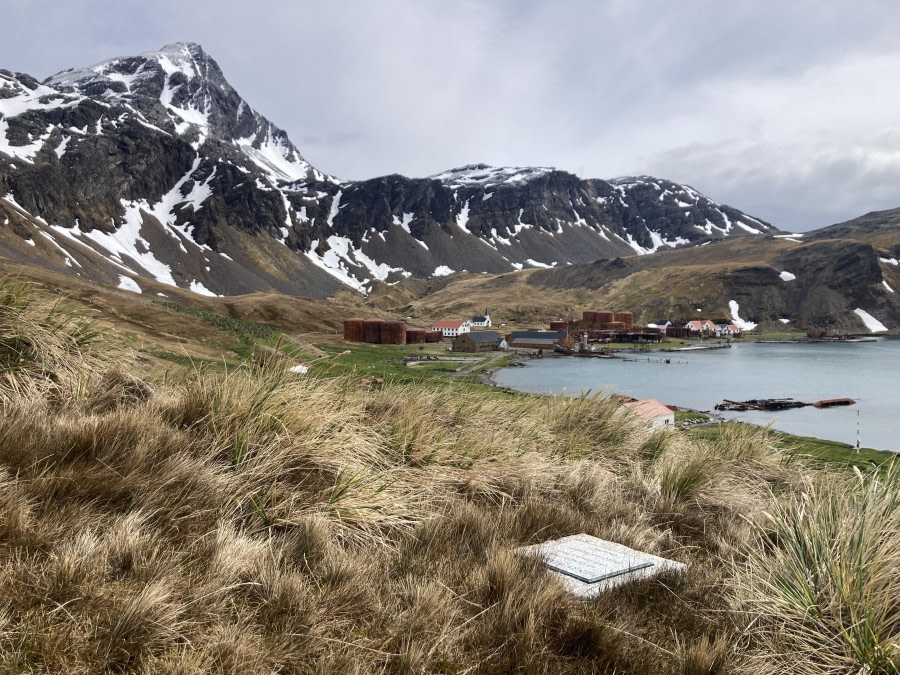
column 153, row 166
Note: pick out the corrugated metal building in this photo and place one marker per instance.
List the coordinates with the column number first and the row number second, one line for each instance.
column 477, row 341
column 534, row 339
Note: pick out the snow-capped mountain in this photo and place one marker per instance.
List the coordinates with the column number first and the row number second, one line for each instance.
column 181, row 91
column 154, row 167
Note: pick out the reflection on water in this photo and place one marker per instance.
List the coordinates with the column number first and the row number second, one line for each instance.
column 864, row 371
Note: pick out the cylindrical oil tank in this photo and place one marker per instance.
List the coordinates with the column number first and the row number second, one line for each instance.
column 616, row 325
column 557, row 325
column 353, row 330
column 371, row 329
column 392, row 333
column 433, row 336
column 415, row 336
column 589, row 316
column 624, row 317
column 603, row 318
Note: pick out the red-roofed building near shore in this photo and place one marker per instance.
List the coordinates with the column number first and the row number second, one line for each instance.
column 654, row 412
column 727, row 330
column 701, row 327
column 451, row 329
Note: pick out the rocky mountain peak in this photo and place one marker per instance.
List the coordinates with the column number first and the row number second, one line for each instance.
column 181, row 90
column 486, row 175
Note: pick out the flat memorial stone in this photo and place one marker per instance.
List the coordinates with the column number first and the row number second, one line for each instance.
column 588, row 565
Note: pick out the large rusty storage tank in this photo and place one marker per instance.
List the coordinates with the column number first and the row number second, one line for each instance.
column 392, row 333
column 616, row 325
column 434, row 336
column 604, row 318
column 557, row 325
column 589, row 316
column 415, row 336
column 625, row 317
column 371, row 330
column 353, row 330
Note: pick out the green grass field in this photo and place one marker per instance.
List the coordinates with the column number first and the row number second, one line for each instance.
column 831, row 453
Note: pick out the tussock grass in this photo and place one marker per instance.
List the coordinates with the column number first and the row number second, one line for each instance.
column 252, row 520
column 48, row 351
column 823, row 582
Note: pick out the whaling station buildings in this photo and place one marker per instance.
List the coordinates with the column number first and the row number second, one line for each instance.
column 594, row 326
column 380, row 331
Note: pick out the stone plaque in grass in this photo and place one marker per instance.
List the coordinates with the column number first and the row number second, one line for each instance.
column 588, row 565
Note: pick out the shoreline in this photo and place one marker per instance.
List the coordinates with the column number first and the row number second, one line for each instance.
column 487, row 378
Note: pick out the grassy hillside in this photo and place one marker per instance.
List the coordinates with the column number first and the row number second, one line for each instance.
column 247, row 520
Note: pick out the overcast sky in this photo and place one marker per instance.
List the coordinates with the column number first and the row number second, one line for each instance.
column 787, row 110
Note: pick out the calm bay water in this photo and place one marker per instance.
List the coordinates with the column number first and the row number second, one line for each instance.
column 868, row 372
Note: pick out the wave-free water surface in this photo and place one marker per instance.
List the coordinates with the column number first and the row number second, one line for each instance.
column 868, row 372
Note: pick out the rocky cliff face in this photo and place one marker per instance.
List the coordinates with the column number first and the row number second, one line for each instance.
column 796, row 281
column 153, row 167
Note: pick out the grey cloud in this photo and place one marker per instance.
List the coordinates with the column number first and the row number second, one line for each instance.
column 750, row 102
column 789, row 186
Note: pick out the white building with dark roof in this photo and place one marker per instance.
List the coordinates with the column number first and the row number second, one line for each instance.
column 483, row 321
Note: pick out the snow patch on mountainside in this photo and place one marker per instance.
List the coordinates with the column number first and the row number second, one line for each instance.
column 332, row 263
column 657, row 242
column 164, row 210
column 279, row 161
column 787, row 276
column 873, row 324
column 735, row 317
column 490, row 176
column 752, row 230
column 60, row 149
column 129, row 284
column 535, row 263
column 67, row 256
column 404, row 225
column 335, row 207
column 26, row 152
column 341, row 256
column 126, row 246
column 200, row 289
column 463, row 217
column 519, row 226
column 16, row 99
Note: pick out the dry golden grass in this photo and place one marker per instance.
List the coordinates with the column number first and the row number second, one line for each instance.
column 256, row 521
column 823, row 583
